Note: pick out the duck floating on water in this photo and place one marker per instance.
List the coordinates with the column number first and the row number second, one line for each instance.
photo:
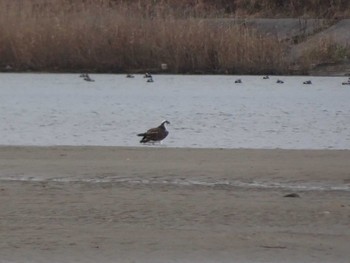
column 155, row 134
column 266, row 77
column 150, row 79
column 280, row 81
column 346, row 83
column 87, row 78
column 130, row 76
column 308, row 82
column 147, row 75
column 238, row 81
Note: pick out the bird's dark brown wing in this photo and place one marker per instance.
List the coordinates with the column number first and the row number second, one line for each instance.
column 154, row 134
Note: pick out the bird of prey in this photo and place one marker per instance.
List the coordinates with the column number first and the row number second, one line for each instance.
column 155, row 134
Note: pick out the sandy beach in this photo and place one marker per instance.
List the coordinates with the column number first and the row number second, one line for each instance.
column 152, row 205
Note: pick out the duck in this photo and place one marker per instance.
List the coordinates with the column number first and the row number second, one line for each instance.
column 130, row 76
column 266, row 77
column 150, row 79
column 155, row 134
column 346, row 83
column 307, row 82
column 147, row 75
column 238, row 81
column 87, row 78
column 280, row 81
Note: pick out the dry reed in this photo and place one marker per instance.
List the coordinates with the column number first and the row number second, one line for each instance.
column 114, row 36
column 326, row 51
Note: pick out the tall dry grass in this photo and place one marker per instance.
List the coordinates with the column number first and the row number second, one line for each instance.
column 139, row 35
column 135, row 35
column 106, row 36
column 326, row 51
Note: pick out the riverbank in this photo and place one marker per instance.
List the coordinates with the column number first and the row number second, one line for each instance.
column 108, row 204
column 101, row 37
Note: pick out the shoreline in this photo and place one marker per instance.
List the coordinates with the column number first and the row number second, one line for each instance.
column 340, row 69
column 327, row 70
column 53, row 221
column 116, row 162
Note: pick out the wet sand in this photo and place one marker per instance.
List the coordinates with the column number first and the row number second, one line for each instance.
column 119, row 204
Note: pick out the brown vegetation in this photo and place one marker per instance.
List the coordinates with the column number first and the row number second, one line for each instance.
column 325, row 52
column 130, row 36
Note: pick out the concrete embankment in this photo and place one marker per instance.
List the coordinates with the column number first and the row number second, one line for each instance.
column 302, row 35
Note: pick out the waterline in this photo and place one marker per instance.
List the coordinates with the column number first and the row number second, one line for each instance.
column 221, row 184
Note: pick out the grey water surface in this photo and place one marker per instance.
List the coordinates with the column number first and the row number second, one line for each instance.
column 204, row 111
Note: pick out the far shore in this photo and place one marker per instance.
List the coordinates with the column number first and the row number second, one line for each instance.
column 128, row 39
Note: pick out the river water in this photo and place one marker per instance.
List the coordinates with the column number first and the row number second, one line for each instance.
column 204, row 111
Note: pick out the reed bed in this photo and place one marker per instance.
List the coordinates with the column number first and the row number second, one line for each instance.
column 114, row 36
column 325, row 51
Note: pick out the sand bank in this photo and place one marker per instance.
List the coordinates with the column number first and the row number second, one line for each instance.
column 112, row 204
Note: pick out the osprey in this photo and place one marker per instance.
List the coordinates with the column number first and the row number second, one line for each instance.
column 155, row 134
